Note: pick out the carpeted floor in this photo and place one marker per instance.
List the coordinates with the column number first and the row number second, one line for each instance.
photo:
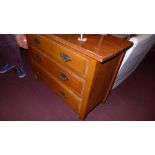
column 25, row 99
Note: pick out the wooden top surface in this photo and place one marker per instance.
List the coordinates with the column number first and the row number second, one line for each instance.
column 99, row 47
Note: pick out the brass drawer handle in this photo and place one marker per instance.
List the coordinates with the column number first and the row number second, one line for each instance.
column 37, row 40
column 65, row 57
column 62, row 94
column 63, row 76
column 37, row 57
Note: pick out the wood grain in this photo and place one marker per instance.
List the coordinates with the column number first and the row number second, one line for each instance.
column 63, row 92
column 98, row 47
column 63, row 74
column 90, row 67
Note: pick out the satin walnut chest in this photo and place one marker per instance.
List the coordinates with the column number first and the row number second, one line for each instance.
column 81, row 73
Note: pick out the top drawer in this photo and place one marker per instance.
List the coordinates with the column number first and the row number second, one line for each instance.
column 39, row 41
column 64, row 55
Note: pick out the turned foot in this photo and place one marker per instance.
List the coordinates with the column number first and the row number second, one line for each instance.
column 82, row 118
column 36, row 77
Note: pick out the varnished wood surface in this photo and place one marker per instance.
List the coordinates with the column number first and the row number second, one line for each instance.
column 54, row 49
column 73, row 81
column 68, row 96
column 103, row 80
column 99, row 47
column 92, row 70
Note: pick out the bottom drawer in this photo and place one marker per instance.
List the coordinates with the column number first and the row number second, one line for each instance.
column 68, row 96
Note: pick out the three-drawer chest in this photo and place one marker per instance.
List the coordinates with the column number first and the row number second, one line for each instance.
column 81, row 73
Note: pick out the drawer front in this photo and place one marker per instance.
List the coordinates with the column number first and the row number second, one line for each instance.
column 64, row 75
column 39, row 41
column 65, row 55
column 70, row 98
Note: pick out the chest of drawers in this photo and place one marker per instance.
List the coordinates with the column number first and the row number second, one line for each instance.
column 81, row 73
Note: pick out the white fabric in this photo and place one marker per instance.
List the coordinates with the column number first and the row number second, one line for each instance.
column 120, row 35
column 133, row 56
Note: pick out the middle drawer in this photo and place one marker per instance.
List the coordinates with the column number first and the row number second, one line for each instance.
column 63, row 74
